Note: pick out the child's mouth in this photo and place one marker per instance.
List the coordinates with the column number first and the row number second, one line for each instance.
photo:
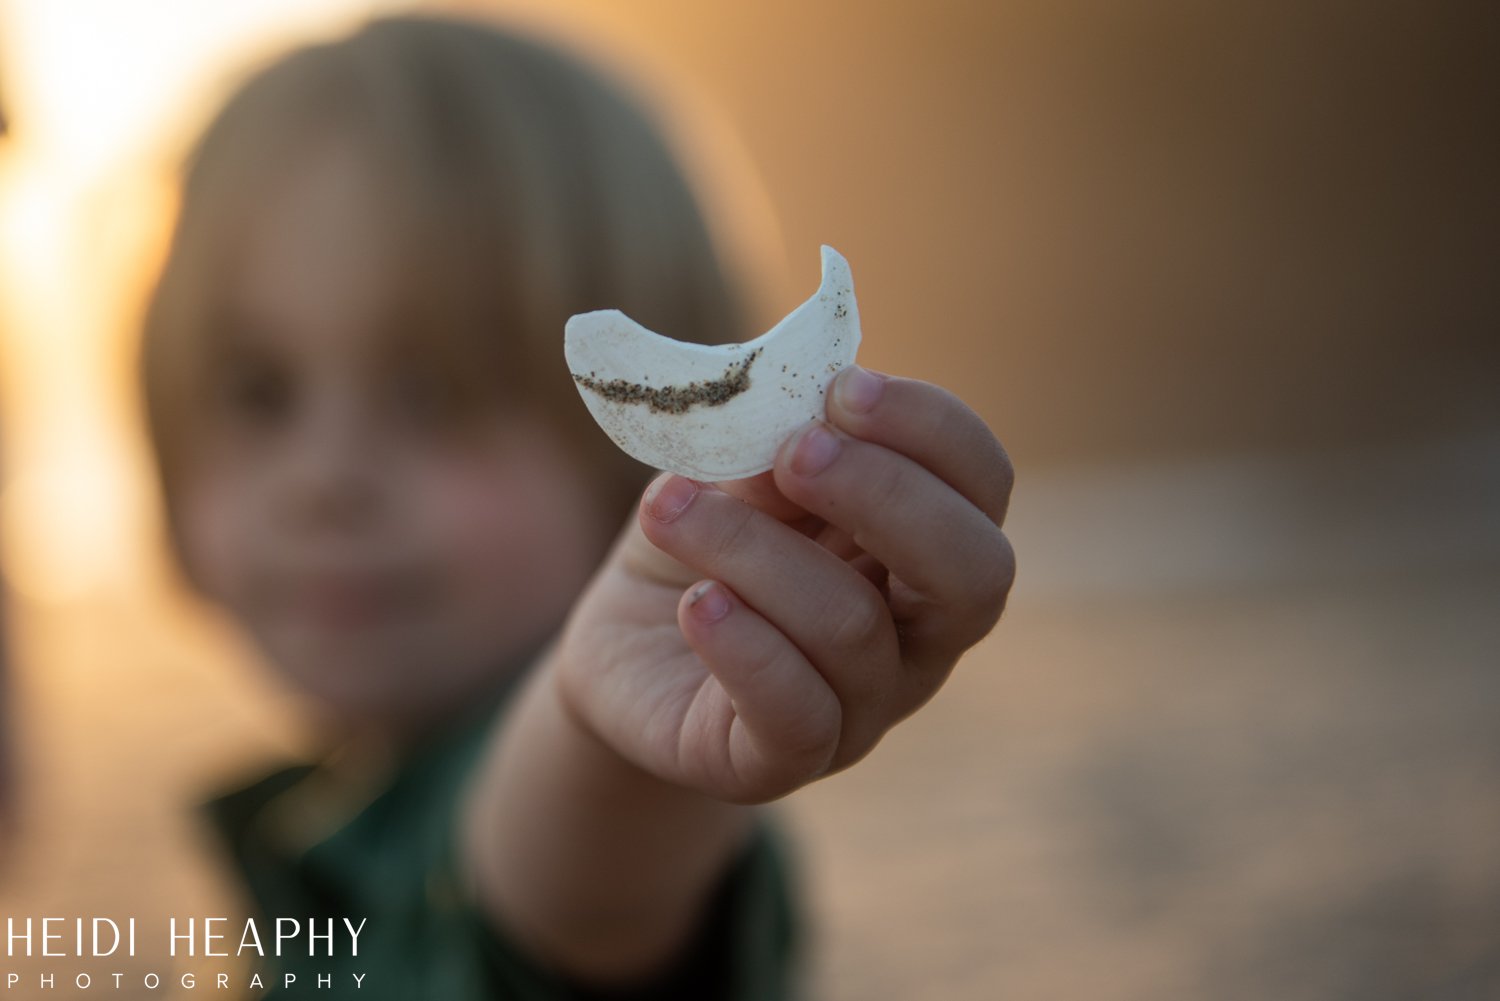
column 347, row 602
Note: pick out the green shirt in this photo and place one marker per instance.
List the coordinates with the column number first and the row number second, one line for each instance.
column 394, row 865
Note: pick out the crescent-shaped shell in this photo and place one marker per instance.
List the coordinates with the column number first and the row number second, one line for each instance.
column 714, row 412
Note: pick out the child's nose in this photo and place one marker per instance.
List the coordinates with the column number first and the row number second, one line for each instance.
column 332, row 470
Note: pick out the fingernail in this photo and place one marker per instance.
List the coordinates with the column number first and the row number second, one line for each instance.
column 859, row 389
column 708, row 602
column 669, row 496
column 815, row 451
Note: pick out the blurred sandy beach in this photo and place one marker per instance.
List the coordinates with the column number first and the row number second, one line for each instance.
column 1282, row 786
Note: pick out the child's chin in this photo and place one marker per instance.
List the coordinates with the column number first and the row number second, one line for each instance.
column 395, row 710
column 347, row 678
column 368, row 686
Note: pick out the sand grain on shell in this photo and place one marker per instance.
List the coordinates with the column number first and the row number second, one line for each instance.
column 675, row 399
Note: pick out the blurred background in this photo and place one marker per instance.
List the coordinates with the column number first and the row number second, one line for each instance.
column 1222, row 276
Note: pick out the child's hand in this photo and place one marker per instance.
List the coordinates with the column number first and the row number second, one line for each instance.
column 745, row 639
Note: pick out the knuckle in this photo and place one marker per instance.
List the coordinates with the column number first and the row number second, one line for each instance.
column 811, row 739
column 853, row 751
column 803, row 750
column 732, row 530
column 887, row 488
column 978, row 596
column 954, row 414
column 994, row 573
column 996, row 475
column 1004, row 472
column 958, row 422
column 860, row 621
column 758, row 793
column 949, row 416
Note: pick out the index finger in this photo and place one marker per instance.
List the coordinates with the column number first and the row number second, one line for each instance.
column 760, row 491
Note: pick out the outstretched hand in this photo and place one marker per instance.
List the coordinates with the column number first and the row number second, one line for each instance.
column 746, row 638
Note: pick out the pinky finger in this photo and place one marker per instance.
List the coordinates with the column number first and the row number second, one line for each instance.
column 784, row 724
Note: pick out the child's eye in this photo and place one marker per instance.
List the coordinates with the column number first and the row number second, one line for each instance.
column 258, row 393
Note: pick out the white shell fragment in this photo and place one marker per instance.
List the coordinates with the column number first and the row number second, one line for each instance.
column 714, row 412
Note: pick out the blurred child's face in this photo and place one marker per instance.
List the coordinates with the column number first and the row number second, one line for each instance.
column 388, row 562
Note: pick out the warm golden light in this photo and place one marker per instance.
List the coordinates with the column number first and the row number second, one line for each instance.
column 98, row 91
column 93, row 79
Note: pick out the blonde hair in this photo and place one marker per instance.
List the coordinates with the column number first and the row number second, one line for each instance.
column 526, row 187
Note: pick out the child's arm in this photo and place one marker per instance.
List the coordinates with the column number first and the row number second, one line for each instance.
column 843, row 597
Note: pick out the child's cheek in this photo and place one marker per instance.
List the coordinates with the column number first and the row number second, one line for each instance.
column 211, row 530
column 475, row 509
column 518, row 523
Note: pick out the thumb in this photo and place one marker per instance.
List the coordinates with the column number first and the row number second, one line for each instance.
column 637, row 556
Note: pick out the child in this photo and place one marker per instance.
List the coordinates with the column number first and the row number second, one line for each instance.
column 374, row 458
